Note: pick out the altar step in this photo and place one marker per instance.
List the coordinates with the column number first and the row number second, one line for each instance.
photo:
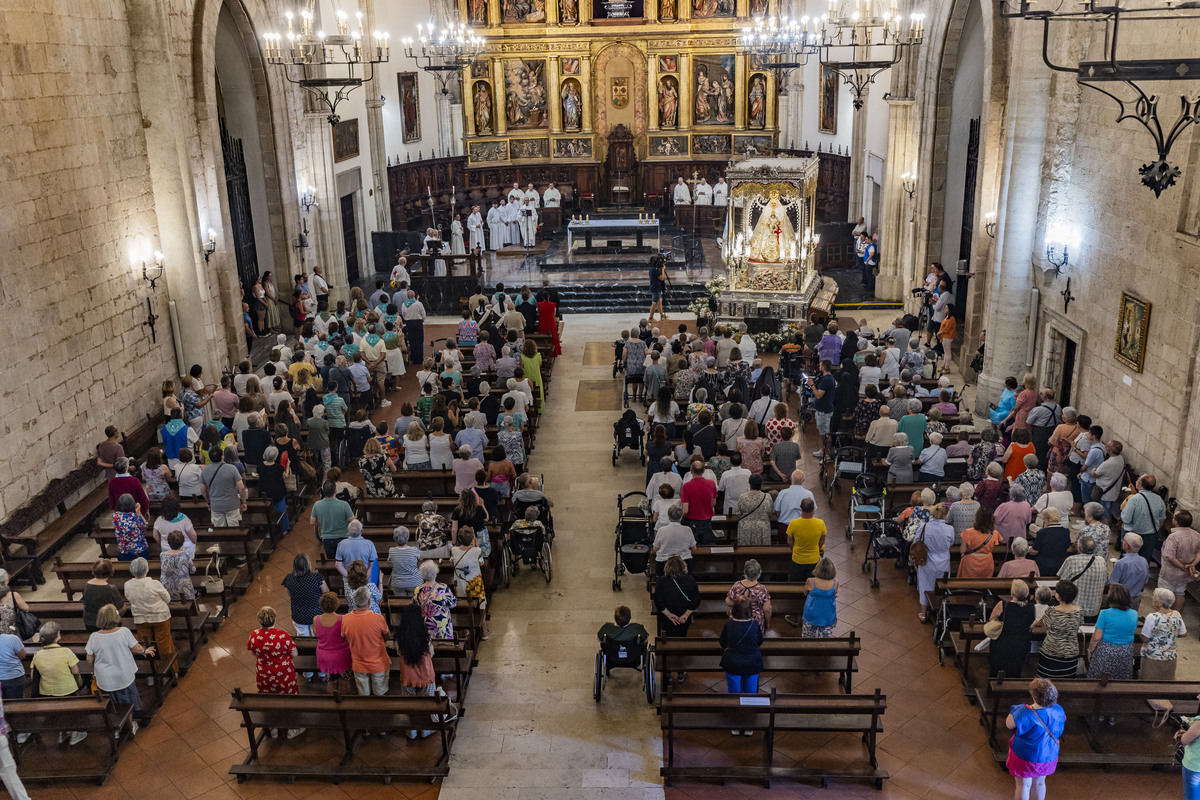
column 625, row 298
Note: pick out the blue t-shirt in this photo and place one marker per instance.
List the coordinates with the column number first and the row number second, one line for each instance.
column 1033, row 742
column 1118, row 626
column 828, row 385
column 10, row 663
column 357, row 548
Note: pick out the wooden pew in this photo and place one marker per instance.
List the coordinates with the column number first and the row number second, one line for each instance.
column 727, row 562
column 791, row 656
column 155, row 676
column 187, row 625
column 38, row 547
column 47, row 717
column 326, row 716
column 772, row 714
column 450, row 657
column 1132, row 742
column 235, row 542
column 786, row 599
column 74, row 574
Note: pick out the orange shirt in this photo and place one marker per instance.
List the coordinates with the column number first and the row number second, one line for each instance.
column 949, row 328
column 1016, row 460
column 980, row 563
column 364, row 631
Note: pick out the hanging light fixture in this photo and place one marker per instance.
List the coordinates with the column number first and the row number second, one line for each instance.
column 327, row 66
column 444, row 53
column 781, row 43
column 861, row 44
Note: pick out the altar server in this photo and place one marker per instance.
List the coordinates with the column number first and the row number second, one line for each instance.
column 497, row 230
column 720, row 192
column 683, row 196
column 551, row 198
column 475, row 229
column 512, row 218
column 529, row 220
column 515, row 195
column 704, row 193
column 532, row 196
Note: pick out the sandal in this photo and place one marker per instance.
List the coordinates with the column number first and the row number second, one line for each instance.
column 922, row 617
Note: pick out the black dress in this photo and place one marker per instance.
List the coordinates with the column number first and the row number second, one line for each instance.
column 676, row 595
column 1010, row 651
column 1051, row 544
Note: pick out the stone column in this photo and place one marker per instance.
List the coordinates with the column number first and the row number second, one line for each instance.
column 499, row 119
column 685, row 85
column 377, row 148
column 652, row 88
column 1010, row 278
column 858, row 158
column 896, row 229
column 585, row 82
column 554, row 89
column 174, row 190
column 740, row 72
column 325, row 220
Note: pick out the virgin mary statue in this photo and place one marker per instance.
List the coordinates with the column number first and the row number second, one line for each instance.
column 773, row 234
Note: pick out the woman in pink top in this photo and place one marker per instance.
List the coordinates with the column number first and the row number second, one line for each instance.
column 333, row 651
column 751, row 447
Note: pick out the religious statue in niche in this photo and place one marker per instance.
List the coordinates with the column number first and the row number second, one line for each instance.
column 758, row 8
column 483, row 108
column 477, row 12
column 668, row 103
column 713, row 103
column 666, row 9
column 709, row 9
column 525, row 84
column 572, row 105
column 523, row 11
column 757, row 96
column 568, row 10
column 773, row 233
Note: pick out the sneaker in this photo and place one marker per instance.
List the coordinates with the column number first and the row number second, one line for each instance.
column 294, row 732
column 411, row 734
column 384, row 403
column 22, row 738
column 274, row 733
column 818, row 453
column 62, row 737
column 78, row 736
column 133, row 728
column 736, row 732
column 792, row 620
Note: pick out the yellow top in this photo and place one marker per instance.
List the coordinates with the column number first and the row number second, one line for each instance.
column 806, row 539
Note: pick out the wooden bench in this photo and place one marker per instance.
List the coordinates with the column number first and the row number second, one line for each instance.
column 155, row 676
column 707, row 620
column 235, row 542
column 727, row 563
column 74, row 574
column 46, row 717
column 774, row 714
column 1132, row 742
column 450, row 657
column 40, row 546
column 785, row 656
column 188, row 622
column 325, row 716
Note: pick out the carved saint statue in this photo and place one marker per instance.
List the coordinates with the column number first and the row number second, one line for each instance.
column 571, row 106
column 773, row 234
column 668, row 104
column 568, row 10
column 758, row 102
column 483, row 109
column 666, row 9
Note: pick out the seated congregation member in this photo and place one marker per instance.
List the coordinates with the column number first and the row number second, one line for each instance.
column 992, row 490
column 367, row 634
column 748, row 589
column 1020, row 566
column 435, row 601
column 932, row 461
column 938, row 536
column 1010, row 650
column 1059, row 497
column 1059, row 654
column 110, row 651
column 962, row 511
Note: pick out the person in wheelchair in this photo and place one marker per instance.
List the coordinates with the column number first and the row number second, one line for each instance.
column 622, row 628
column 527, row 532
column 529, row 493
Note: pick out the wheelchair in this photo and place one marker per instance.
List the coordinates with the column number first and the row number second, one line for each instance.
column 528, row 545
column 614, row 654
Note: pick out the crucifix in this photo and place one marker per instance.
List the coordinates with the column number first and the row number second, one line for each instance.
column 693, row 181
column 1067, row 296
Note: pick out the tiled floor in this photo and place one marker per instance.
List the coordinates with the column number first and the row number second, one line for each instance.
column 532, row 730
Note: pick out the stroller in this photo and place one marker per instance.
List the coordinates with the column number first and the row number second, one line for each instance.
column 618, row 357
column 633, row 538
column 529, row 544
column 629, row 431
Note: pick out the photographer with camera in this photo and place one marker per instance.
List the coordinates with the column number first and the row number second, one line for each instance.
column 658, row 284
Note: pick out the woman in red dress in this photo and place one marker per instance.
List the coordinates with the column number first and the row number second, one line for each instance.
column 548, row 322
column 273, row 653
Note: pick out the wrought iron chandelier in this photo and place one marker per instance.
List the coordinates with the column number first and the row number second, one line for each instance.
column 783, row 44
column 327, row 66
column 1115, row 68
column 860, row 45
column 444, row 52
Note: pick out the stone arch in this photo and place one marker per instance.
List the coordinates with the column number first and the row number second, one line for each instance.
column 640, row 99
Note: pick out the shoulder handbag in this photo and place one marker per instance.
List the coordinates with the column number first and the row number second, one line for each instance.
column 1079, row 574
column 994, row 627
column 918, row 551
column 26, row 623
column 978, row 547
column 213, row 583
column 1045, row 727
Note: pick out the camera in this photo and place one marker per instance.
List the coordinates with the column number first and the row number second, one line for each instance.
column 920, row 291
column 658, row 260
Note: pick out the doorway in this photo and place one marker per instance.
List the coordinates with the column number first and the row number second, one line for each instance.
column 350, row 238
column 1062, row 355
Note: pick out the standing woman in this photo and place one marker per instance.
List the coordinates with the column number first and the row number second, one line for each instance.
column 1026, row 400
column 470, row 515
column 1033, row 749
column 976, row 547
column 441, row 444
column 1059, row 656
column 258, row 304
column 938, row 536
column 531, row 362
column 820, row 605
column 110, row 652
column 548, row 320
column 1110, row 650
column 333, row 651
column 304, row 588
column 1162, row 628
column 129, row 523
column 274, row 667
column 1010, row 650
column 416, row 447
column 1191, row 759
column 272, row 301
column 155, row 474
column 417, row 678
column 676, row 596
column 468, row 572
column 741, row 640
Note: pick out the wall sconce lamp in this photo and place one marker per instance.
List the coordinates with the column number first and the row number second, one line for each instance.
column 308, row 199
column 908, row 182
column 1060, row 241
column 989, row 223
column 210, row 245
column 153, row 272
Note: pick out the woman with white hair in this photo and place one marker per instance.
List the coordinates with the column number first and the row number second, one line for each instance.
column 1021, row 565
column 1051, row 543
column 435, row 601
column 962, row 512
column 753, row 593
column 938, row 537
column 899, row 460
column 1058, row 497
column 913, row 423
column 404, row 557
column 110, row 651
column 1010, row 650
column 932, row 460
column 1101, row 534
column 1012, row 516
column 1162, row 627
column 149, row 602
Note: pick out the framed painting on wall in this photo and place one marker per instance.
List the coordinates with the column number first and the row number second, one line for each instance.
column 345, row 139
column 525, row 93
column 410, row 107
column 712, row 90
column 1133, row 323
column 668, row 63
column 827, row 104
column 569, row 66
column 487, row 152
column 668, row 146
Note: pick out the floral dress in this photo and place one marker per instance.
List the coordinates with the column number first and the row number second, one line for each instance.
column 983, row 454
column 432, row 530
column 866, row 412
column 686, row 379
column 754, row 519
column 176, row 577
column 514, row 446
column 274, row 669
column 435, row 603
column 1159, row 653
column 131, row 534
column 377, row 478
column 635, row 363
column 156, row 485
column 756, row 597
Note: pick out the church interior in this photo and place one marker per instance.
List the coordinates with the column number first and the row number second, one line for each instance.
column 501, row 341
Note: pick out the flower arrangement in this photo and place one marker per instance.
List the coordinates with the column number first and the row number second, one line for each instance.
column 715, row 287
column 769, row 342
column 701, row 307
